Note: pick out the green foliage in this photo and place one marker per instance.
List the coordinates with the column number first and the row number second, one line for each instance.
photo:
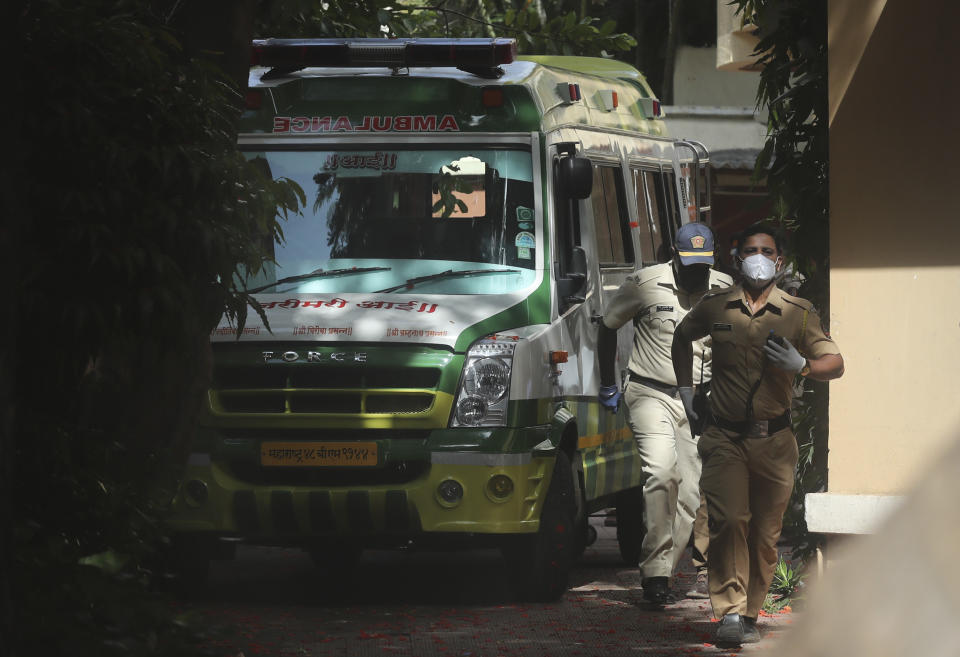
column 134, row 215
column 785, row 586
column 563, row 33
column 795, row 158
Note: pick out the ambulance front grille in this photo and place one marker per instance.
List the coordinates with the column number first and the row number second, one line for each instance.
column 330, row 391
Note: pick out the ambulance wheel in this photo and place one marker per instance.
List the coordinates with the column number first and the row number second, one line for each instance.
column 630, row 525
column 540, row 563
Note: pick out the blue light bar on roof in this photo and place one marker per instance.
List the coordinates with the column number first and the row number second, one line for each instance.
column 461, row 53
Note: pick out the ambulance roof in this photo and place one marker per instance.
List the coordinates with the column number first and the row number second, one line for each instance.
column 532, row 93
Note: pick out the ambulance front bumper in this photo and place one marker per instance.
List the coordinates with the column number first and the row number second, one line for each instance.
column 456, row 492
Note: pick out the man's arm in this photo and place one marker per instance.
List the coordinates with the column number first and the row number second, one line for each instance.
column 822, row 355
column 825, row 368
column 606, row 354
column 681, row 351
column 623, row 306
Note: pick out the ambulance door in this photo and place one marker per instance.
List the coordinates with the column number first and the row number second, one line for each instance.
column 575, row 271
column 609, row 452
column 615, row 244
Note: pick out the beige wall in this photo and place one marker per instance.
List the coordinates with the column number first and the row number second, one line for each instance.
column 895, row 239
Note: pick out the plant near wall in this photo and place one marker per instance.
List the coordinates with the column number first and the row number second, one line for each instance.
column 792, row 52
column 785, row 587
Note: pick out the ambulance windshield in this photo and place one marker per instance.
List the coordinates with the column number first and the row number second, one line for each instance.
column 410, row 221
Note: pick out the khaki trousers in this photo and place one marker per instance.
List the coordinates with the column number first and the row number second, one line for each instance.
column 747, row 483
column 701, row 536
column 671, row 476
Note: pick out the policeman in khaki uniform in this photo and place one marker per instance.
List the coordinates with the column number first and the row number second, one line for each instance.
column 655, row 299
column 762, row 338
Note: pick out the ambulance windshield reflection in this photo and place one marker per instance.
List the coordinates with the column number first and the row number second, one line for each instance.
column 412, row 213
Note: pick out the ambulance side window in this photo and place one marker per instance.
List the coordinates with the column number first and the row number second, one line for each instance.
column 703, row 195
column 662, row 210
column 648, row 216
column 671, row 184
column 614, row 244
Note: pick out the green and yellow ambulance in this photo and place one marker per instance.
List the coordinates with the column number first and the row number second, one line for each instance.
column 427, row 374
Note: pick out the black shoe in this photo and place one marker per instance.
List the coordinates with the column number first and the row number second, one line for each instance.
column 730, row 632
column 656, row 590
column 750, row 632
column 699, row 589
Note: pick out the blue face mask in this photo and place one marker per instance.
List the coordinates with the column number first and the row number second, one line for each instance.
column 758, row 270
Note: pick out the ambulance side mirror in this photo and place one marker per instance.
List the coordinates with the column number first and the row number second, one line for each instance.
column 575, row 177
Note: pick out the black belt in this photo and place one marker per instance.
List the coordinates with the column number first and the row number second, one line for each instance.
column 754, row 428
column 670, row 391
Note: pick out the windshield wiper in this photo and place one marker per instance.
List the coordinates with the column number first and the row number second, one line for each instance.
column 410, row 282
column 317, row 273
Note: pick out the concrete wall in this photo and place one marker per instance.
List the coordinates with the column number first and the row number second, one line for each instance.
column 895, row 240
column 696, row 81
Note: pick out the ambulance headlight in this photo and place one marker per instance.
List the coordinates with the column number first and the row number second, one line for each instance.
column 484, row 389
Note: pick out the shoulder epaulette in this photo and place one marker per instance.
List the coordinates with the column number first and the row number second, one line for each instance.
column 725, row 280
column 799, row 302
column 648, row 274
column 718, row 292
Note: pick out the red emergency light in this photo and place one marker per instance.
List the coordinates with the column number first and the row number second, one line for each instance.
column 466, row 54
column 651, row 108
column 569, row 92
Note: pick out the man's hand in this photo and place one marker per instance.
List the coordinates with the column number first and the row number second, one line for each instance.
column 784, row 356
column 686, row 396
column 609, row 397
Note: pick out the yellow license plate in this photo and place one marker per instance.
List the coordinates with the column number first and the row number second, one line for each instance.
column 313, row 454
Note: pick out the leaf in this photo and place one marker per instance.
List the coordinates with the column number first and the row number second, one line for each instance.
column 107, row 561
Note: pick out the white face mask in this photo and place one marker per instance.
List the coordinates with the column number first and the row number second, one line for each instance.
column 758, row 270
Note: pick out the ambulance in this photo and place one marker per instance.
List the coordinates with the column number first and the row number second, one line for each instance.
column 427, row 375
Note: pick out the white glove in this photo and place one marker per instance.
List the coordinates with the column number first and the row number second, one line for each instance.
column 786, row 357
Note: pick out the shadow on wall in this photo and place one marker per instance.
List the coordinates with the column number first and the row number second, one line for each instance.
column 896, row 592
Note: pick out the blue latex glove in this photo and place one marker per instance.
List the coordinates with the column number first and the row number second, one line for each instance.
column 609, row 397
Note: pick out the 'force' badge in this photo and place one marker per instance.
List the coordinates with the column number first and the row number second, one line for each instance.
column 697, row 241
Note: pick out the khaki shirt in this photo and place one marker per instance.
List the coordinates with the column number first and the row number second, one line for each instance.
column 738, row 356
column 651, row 298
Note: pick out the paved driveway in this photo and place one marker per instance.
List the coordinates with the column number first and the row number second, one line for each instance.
column 272, row 601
